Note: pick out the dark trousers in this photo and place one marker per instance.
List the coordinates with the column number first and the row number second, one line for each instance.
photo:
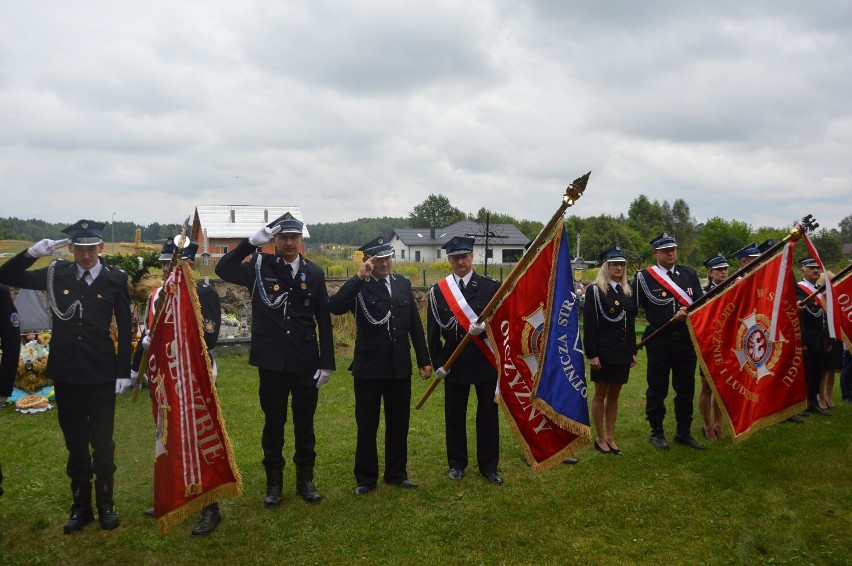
column 846, row 376
column 487, row 425
column 87, row 416
column 676, row 357
column 368, row 404
column 813, row 374
column 275, row 389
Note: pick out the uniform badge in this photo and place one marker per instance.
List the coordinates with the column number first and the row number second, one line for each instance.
column 15, row 320
column 275, row 287
column 611, row 310
column 65, row 292
column 617, row 303
column 663, row 294
column 303, row 278
column 304, row 285
column 100, row 296
column 209, row 326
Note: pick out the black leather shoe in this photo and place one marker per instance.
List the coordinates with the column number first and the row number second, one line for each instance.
column 657, row 440
column 308, row 492
column 571, row 461
column 456, row 474
column 598, row 447
column 107, row 517
column 819, row 410
column 149, row 512
column 614, row 451
column 273, row 497
column 493, row 477
column 208, row 520
column 804, row 414
column 80, row 517
column 405, row 484
column 794, row 419
column 363, row 489
column 688, row 440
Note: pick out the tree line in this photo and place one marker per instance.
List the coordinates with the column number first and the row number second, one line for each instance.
column 33, row 230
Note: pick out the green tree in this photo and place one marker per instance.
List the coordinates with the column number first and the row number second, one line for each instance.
column 846, row 230
column 722, row 236
column 435, row 212
column 646, row 217
column 829, row 246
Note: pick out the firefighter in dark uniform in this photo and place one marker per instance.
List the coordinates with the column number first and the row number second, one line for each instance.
column 663, row 291
column 211, row 320
column 711, row 414
column 291, row 345
column 87, row 371
column 10, row 344
column 814, row 334
column 386, row 317
column 444, row 333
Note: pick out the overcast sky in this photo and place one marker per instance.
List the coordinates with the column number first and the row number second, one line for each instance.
column 361, row 109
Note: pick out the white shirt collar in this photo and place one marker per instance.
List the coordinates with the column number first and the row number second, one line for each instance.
column 466, row 278
column 94, row 272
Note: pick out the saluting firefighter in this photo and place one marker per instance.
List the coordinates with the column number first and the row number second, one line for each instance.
column 386, row 318
column 291, row 345
column 10, row 344
column 211, row 320
column 84, row 297
column 664, row 291
column 454, row 306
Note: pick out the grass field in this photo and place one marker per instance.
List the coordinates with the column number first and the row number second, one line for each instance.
column 782, row 497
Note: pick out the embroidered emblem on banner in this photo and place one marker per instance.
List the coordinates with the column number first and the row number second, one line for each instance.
column 756, row 354
column 532, row 338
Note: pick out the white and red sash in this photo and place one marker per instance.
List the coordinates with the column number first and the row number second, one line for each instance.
column 809, row 288
column 464, row 314
column 660, row 276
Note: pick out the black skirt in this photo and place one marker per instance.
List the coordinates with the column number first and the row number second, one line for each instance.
column 611, row 373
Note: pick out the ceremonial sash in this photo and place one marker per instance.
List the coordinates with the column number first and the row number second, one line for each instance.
column 152, row 307
column 661, row 277
column 808, row 289
column 464, row 314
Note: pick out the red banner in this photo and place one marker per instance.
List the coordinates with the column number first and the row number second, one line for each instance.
column 194, row 462
column 520, row 329
column 749, row 343
column 843, row 306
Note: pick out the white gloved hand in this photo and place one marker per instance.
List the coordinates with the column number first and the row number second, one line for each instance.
column 44, row 248
column 146, row 342
column 134, row 376
column 441, row 373
column 263, row 235
column 476, row 328
column 322, row 376
column 122, row 384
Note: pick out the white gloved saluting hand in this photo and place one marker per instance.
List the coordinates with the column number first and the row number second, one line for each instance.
column 44, row 248
column 322, row 376
column 476, row 328
column 263, row 235
column 122, row 384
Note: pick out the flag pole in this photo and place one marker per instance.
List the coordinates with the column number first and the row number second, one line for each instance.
column 807, row 223
column 810, row 298
column 180, row 242
column 572, row 194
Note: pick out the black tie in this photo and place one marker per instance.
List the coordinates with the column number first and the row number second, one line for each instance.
column 289, row 273
column 85, row 278
column 461, row 285
column 386, row 286
column 618, row 288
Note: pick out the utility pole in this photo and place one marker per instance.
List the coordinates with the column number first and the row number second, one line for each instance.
column 488, row 235
column 112, row 228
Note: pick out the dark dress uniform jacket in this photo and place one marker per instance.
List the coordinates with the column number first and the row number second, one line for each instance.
column 612, row 342
column 82, row 350
column 659, row 314
column 383, row 351
column 814, row 326
column 471, row 366
column 283, row 341
column 10, row 339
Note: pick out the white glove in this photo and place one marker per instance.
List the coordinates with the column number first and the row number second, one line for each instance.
column 134, row 375
column 476, row 328
column 44, row 248
column 441, row 373
column 122, row 384
column 322, row 376
column 263, row 235
column 146, row 342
